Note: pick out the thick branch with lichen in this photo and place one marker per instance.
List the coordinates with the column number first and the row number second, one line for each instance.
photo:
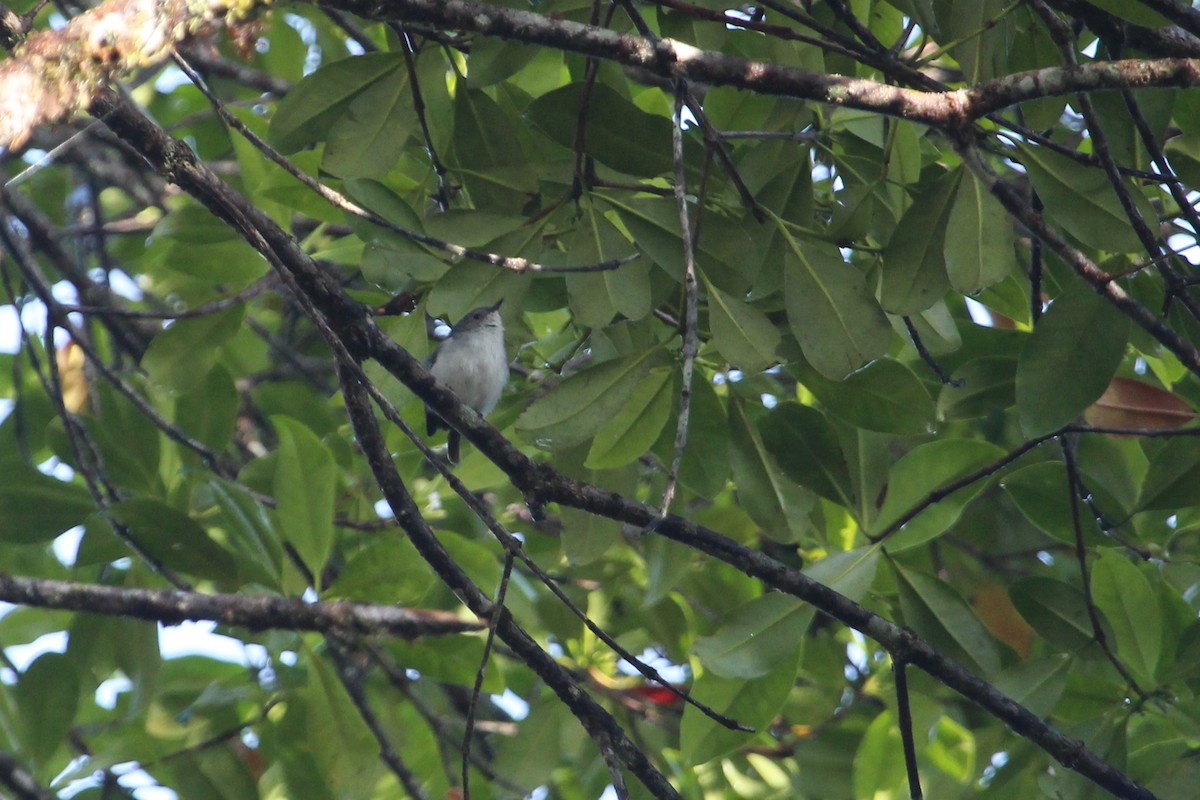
column 57, row 73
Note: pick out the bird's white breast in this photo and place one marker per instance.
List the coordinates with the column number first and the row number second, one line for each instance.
column 478, row 382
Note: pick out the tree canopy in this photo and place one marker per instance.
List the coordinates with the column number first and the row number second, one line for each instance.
column 849, row 449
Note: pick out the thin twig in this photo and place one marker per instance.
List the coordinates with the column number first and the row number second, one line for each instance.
column 351, row 677
column 927, row 357
column 445, row 191
column 1085, row 574
column 942, row 492
column 905, row 720
column 477, row 689
column 691, row 338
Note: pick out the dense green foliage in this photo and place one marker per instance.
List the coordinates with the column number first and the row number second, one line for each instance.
column 1055, row 561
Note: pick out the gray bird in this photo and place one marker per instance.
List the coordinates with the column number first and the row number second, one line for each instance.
column 473, row 363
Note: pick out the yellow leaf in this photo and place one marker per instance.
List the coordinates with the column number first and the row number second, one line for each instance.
column 72, row 378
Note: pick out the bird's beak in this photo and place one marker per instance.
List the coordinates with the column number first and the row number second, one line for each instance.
column 496, row 307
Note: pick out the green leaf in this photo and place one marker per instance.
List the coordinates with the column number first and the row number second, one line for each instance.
column 926, row 469
column 218, row 772
column 577, row 408
column 1173, row 479
column 756, row 637
column 914, row 269
column 208, row 413
column 386, row 570
column 1081, row 199
column 37, row 508
column 486, row 142
column 305, row 480
column 884, row 396
column 174, row 539
column 938, row 613
column 636, row 426
column 952, row 749
column 983, row 386
column 1131, row 607
column 1136, row 12
column 248, row 528
column 1069, row 360
column 317, row 102
column 770, row 497
column 618, row 133
column 838, row 323
column 708, row 430
column 1056, row 610
column 753, row 702
column 47, row 694
column 1036, row 684
column 366, row 139
column 181, row 356
column 1040, row 491
column 351, row 768
column 741, row 333
column 805, row 445
column 879, row 760
column 493, row 60
column 979, row 239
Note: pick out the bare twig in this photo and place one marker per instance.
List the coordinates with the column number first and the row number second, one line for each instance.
column 477, row 689
column 1085, row 574
column 904, row 718
column 691, row 338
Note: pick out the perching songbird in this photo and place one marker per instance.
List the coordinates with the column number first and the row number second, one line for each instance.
column 473, row 363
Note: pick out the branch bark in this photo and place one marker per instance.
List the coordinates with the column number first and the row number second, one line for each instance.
column 258, row 612
column 58, row 73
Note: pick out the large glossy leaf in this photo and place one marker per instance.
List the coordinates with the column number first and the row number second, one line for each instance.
column 838, row 323
column 1042, row 493
column 708, row 432
column 1083, row 201
column 937, row 612
column 367, row 137
column 806, row 447
column 180, row 357
column 304, row 487
column 770, row 497
column 756, row 637
column 979, row 239
column 315, row 104
column 884, row 396
column 753, row 703
column 47, row 695
column 618, row 133
column 576, row 409
column 742, row 333
column 879, row 761
column 922, row 471
column 914, row 268
column 351, row 768
column 1173, row 480
column 636, row 425
column 1069, row 360
column 980, row 387
column 1056, row 610
column 1131, row 607
column 37, row 508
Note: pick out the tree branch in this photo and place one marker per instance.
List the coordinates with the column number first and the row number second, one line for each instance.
column 258, row 612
